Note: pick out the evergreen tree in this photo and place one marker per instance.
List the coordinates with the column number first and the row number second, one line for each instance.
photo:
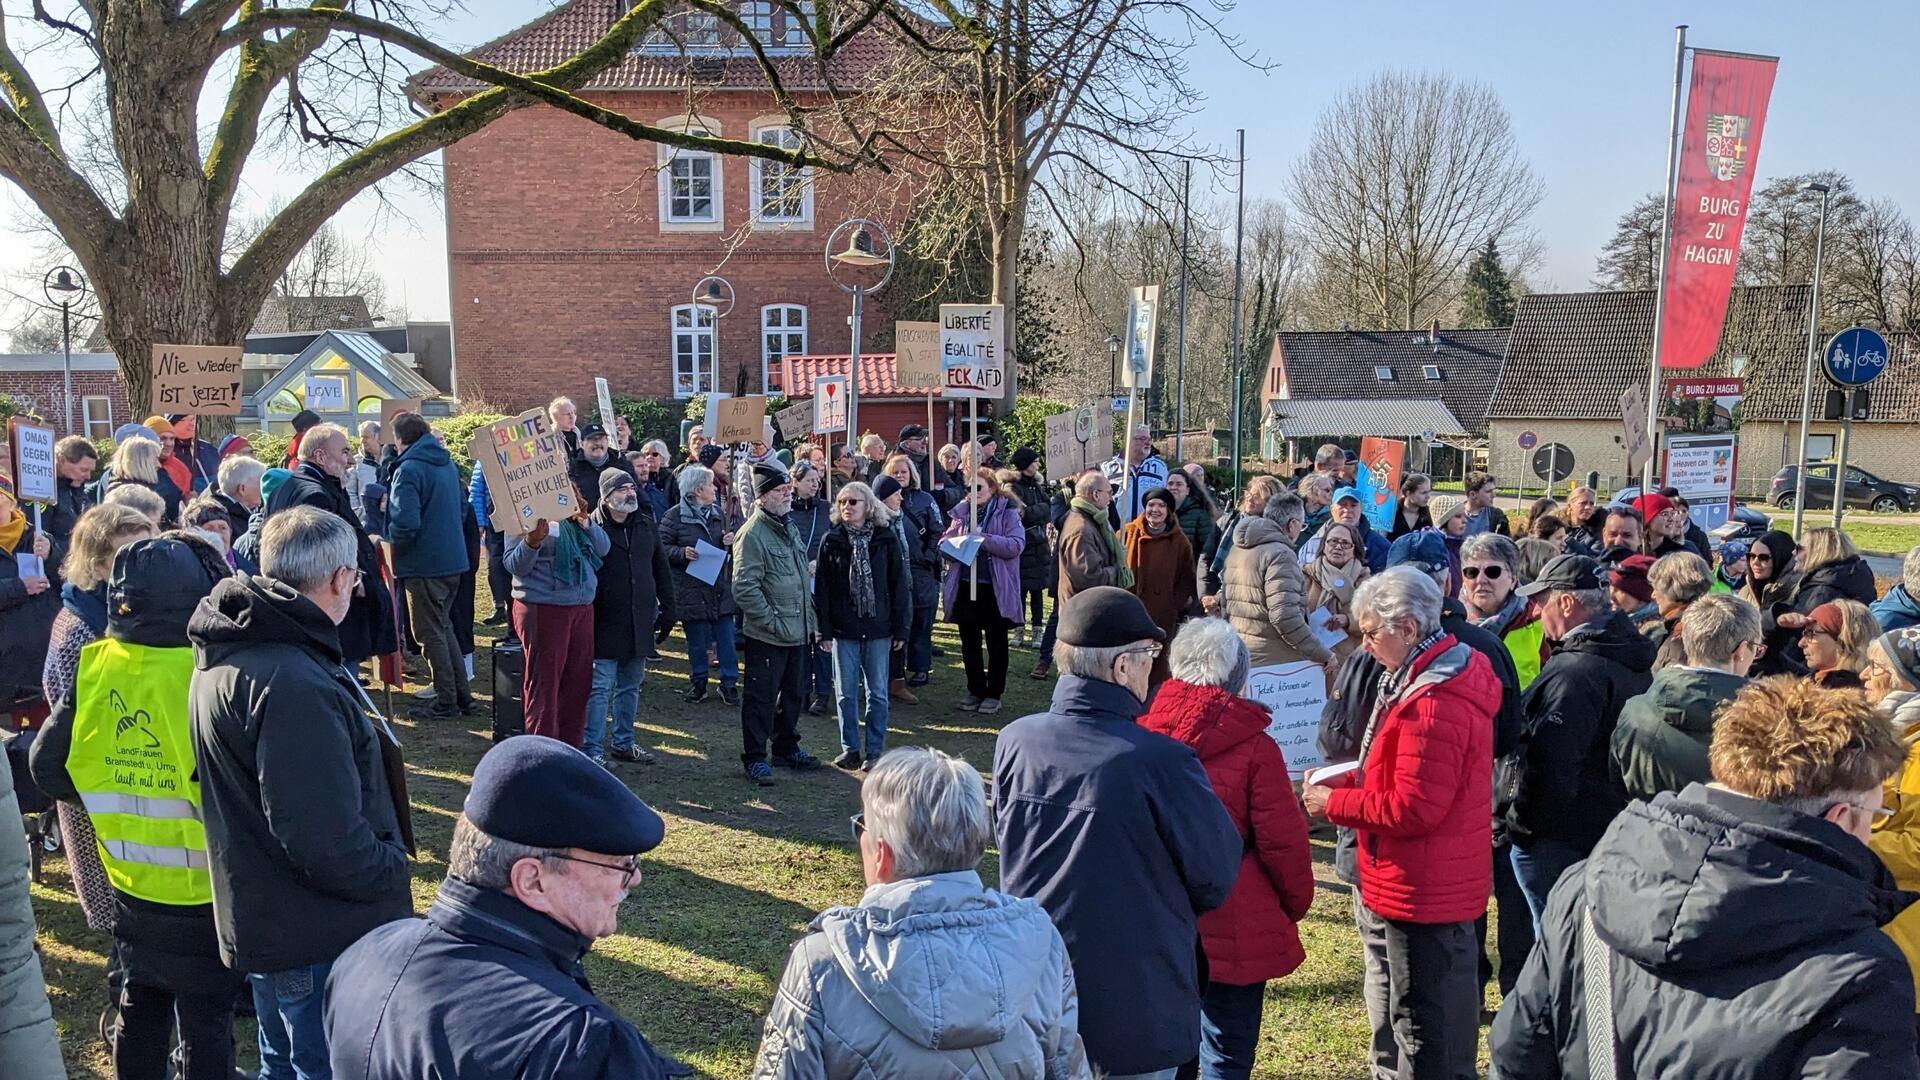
column 1489, row 296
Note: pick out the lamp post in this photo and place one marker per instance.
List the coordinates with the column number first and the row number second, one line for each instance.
column 1113, row 359
column 859, row 254
column 715, row 293
column 62, row 286
column 1806, row 384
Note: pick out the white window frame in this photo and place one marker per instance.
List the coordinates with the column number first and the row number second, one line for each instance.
column 672, row 156
column 760, row 171
column 702, row 322
column 87, row 421
column 1383, row 373
column 758, row 17
column 793, row 36
column 781, row 340
column 1431, row 372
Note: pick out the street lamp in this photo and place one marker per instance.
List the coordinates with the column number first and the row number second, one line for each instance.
column 860, row 253
column 1113, row 358
column 1806, row 385
column 716, row 294
column 63, row 287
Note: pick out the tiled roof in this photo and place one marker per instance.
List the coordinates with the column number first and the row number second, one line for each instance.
column 563, row 32
column 1572, row 355
column 1363, row 416
column 1339, row 365
column 877, row 376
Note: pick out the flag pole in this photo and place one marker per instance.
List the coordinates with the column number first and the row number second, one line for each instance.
column 1666, row 243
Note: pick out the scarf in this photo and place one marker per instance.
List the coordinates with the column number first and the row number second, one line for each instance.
column 12, row 531
column 1390, row 683
column 1338, row 581
column 1497, row 623
column 1122, row 576
column 573, row 554
column 864, row 604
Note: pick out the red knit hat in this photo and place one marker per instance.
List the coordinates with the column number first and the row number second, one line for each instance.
column 1652, row 506
column 1630, row 576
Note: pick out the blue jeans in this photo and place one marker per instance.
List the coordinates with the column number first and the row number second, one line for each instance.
column 855, row 662
column 293, row 1038
column 719, row 634
column 616, row 684
column 820, row 673
column 1537, row 866
column 917, row 657
column 1230, row 1030
column 1053, row 626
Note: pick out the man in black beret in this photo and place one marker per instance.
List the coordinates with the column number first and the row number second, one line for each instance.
column 490, row 982
column 1117, row 832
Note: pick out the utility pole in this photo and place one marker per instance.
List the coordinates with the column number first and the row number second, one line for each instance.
column 1239, row 232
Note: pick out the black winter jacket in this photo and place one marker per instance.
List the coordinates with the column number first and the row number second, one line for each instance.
column 1038, row 568
column 923, row 523
column 368, row 629
column 635, row 593
column 1559, row 783
column 26, row 622
column 586, row 476
column 1849, row 579
column 811, row 520
column 163, row 487
column 695, row 600
column 1745, row 942
column 303, row 829
column 238, row 516
column 892, row 588
column 69, row 502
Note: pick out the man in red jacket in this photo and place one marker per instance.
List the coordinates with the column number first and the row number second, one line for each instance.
column 1421, row 807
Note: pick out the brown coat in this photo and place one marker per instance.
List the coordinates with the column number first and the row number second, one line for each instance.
column 1265, row 596
column 1163, row 578
column 1337, row 599
column 1086, row 559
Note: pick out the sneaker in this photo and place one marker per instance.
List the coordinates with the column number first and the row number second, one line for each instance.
column 602, row 762
column 1040, row 670
column 799, row 759
column 498, row 618
column 847, row 760
column 730, row 695
column 817, row 706
column 632, row 755
column 918, row 679
column 696, row 694
column 426, row 693
column 760, row 773
column 969, row 704
column 989, row 706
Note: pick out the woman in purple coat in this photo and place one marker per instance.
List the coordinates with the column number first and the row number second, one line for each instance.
column 985, row 618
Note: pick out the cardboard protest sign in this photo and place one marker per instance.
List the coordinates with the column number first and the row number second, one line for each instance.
column 973, row 343
column 388, row 409
column 200, row 379
column 916, row 349
column 830, row 403
column 795, row 420
column 739, row 419
column 1078, row 440
column 1294, row 695
column 525, row 463
column 327, row 393
column 34, row 479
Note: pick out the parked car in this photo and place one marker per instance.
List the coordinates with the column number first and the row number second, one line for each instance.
column 1745, row 523
column 1863, row 489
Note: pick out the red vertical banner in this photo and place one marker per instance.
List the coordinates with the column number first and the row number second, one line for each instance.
column 1726, row 111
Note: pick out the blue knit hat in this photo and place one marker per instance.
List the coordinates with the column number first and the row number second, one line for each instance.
column 1426, row 549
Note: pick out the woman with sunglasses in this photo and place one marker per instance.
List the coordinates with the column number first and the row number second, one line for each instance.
column 985, row 612
column 863, row 598
column 1489, row 574
column 1771, row 584
column 1835, row 638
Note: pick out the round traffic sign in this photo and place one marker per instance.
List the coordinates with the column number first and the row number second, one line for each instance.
column 1528, row 440
column 1855, row 357
column 1552, row 462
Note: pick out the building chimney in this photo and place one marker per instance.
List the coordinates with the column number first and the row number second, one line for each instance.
column 1433, row 335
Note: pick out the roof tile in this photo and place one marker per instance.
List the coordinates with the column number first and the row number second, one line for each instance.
column 794, row 377
column 1339, row 365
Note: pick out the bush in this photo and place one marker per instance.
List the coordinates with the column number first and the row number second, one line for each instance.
column 270, row 450
column 1028, row 425
column 650, row 418
column 457, row 431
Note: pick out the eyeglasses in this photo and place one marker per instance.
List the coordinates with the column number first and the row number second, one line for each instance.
column 849, row 502
column 1491, row 573
column 1810, row 630
column 1878, row 811
column 1369, row 635
column 1336, row 541
column 859, row 823
column 1874, row 667
column 1152, row 650
column 628, row 870
column 359, row 576
column 1759, row 556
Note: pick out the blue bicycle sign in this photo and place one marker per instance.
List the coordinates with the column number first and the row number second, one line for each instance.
column 1855, row 357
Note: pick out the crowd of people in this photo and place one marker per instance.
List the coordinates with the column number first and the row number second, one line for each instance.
column 1683, row 775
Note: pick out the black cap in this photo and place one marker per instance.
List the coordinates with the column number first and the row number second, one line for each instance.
column 1024, row 457
column 1105, row 617
column 613, row 479
column 543, row 793
column 912, row 431
column 768, row 476
column 592, row 431
column 885, row 487
column 1566, row 573
column 155, row 586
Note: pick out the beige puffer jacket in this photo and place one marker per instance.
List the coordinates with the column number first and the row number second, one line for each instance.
column 1265, row 596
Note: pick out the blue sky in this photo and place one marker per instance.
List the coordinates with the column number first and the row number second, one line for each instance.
column 1588, row 85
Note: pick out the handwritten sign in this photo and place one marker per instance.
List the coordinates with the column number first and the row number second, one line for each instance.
column 525, row 463
column 33, row 474
column 830, row 404
column 603, row 396
column 1294, row 695
column 327, row 393
column 1078, row 440
column 200, row 379
column 916, row 355
column 389, row 408
column 973, row 349
column 1143, row 324
column 795, row 420
column 739, row 419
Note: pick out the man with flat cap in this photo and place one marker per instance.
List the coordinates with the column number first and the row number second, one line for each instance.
column 490, row 983
column 775, row 597
column 1117, row 832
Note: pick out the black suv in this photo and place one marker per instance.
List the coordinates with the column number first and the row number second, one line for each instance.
column 1863, row 489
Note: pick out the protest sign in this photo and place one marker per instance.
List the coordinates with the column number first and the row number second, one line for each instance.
column 1294, row 696
column 603, row 396
column 1143, row 325
column 1377, row 479
column 795, row 420
column 830, row 404
column 525, row 463
column 739, row 419
column 327, row 393
column 916, row 347
column 200, row 379
column 388, row 409
column 34, row 479
column 973, row 349
column 1078, row 440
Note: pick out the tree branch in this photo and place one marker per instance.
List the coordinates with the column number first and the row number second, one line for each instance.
column 262, row 66
column 85, row 223
column 25, row 97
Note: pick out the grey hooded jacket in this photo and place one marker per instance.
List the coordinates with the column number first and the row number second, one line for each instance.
column 937, row 978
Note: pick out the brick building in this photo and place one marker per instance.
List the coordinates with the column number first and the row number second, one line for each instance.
column 574, row 251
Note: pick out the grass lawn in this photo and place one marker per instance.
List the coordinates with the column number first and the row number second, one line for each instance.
column 705, row 934
column 1870, row 535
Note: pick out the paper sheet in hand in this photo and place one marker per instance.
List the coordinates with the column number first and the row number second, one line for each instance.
column 1328, row 774
column 1326, row 635
column 964, row 549
column 1294, row 695
column 707, row 561
column 29, row 565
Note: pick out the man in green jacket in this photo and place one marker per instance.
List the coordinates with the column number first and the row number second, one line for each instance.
column 776, row 614
column 1660, row 743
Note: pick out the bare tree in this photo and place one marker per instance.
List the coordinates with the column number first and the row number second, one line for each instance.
column 1405, row 178
column 1782, row 217
column 146, row 207
column 1631, row 257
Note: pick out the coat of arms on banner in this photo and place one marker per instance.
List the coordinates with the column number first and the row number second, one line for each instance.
column 1726, row 145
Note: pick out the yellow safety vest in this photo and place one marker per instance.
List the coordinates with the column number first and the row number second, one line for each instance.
column 132, row 762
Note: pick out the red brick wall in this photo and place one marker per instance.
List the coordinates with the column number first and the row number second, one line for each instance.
column 44, row 393
column 559, row 270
